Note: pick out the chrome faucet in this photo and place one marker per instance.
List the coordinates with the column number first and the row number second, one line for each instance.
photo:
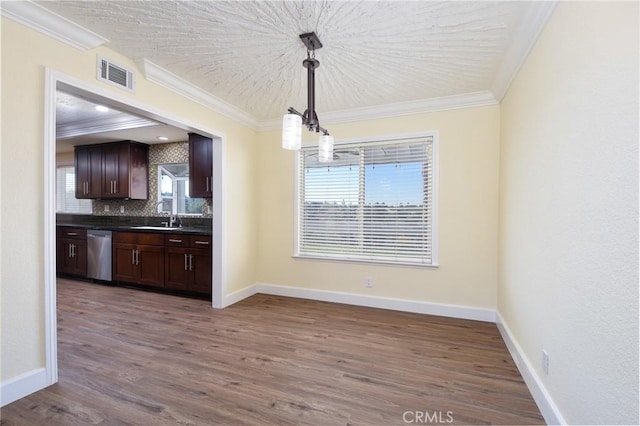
column 170, row 222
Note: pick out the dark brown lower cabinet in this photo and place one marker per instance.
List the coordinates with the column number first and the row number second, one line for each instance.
column 188, row 263
column 138, row 258
column 71, row 251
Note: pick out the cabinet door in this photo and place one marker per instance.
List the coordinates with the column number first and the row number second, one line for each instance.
column 72, row 257
column 124, row 263
column 65, row 262
column 201, row 270
column 176, row 268
column 137, row 177
column 88, row 167
column 80, row 258
column 151, row 265
column 115, row 171
column 200, row 166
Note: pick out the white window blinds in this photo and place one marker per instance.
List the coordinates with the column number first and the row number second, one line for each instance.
column 374, row 202
column 66, row 201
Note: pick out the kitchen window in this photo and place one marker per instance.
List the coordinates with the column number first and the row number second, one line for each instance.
column 376, row 202
column 66, row 201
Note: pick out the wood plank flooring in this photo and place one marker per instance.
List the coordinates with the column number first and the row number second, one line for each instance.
column 132, row 357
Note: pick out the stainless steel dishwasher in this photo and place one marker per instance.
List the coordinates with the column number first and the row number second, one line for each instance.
column 99, row 255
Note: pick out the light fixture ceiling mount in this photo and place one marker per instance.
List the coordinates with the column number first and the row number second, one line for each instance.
column 292, row 121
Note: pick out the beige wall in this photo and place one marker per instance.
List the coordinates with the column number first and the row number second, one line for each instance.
column 25, row 54
column 568, row 276
column 468, row 211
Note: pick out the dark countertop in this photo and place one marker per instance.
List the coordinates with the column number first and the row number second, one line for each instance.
column 129, row 228
column 192, row 226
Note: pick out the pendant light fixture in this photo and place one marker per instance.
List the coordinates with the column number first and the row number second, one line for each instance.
column 293, row 121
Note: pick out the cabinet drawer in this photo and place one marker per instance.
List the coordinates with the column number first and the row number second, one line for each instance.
column 193, row 241
column 125, row 238
column 151, row 239
column 144, row 238
column 200, row 241
column 72, row 233
column 176, row 240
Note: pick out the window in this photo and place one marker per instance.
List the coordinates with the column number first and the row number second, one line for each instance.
column 375, row 202
column 173, row 191
column 66, row 201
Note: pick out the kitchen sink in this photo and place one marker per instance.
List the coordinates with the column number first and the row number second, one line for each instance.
column 156, row 228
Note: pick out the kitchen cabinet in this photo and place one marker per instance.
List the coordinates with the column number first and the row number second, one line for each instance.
column 71, row 251
column 112, row 170
column 188, row 263
column 200, row 166
column 138, row 258
column 88, row 164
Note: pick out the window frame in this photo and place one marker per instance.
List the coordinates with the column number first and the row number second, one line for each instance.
column 398, row 138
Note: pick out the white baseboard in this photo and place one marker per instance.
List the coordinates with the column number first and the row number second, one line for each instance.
column 23, row 385
column 454, row 311
column 239, row 295
column 541, row 396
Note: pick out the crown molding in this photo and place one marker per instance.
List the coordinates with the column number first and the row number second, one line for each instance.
column 530, row 26
column 444, row 103
column 102, row 125
column 161, row 76
column 51, row 24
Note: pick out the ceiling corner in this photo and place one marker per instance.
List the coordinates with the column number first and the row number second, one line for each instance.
column 531, row 25
column 465, row 100
column 51, row 24
column 167, row 79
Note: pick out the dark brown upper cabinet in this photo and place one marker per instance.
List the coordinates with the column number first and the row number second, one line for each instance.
column 200, row 166
column 112, row 170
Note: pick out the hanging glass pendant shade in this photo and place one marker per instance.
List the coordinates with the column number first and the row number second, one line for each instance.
column 325, row 148
column 291, row 131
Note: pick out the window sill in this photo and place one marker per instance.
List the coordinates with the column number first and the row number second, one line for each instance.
column 389, row 262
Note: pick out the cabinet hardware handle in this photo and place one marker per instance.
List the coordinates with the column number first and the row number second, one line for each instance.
column 86, row 191
column 206, row 243
column 186, row 267
column 174, row 241
column 207, row 179
column 73, row 250
column 115, row 186
column 133, row 257
column 72, row 234
column 191, row 262
column 137, row 257
column 70, row 250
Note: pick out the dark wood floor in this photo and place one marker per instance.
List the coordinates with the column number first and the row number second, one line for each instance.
column 132, row 357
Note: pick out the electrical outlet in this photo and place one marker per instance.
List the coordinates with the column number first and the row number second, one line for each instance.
column 545, row 361
column 121, row 209
column 368, row 282
column 106, row 207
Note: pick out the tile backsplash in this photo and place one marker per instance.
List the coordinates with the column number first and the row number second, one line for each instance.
column 177, row 152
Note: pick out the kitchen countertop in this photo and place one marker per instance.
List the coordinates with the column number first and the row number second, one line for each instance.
column 132, row 224
column 129, row 228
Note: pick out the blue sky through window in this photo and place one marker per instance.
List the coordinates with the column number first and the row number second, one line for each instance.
column 392, row 184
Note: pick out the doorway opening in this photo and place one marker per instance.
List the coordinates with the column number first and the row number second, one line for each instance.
column 54, row 82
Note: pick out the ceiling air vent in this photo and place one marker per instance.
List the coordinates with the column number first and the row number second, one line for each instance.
column 115, row 74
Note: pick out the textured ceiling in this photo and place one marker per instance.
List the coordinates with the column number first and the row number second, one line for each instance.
column 248, row 53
